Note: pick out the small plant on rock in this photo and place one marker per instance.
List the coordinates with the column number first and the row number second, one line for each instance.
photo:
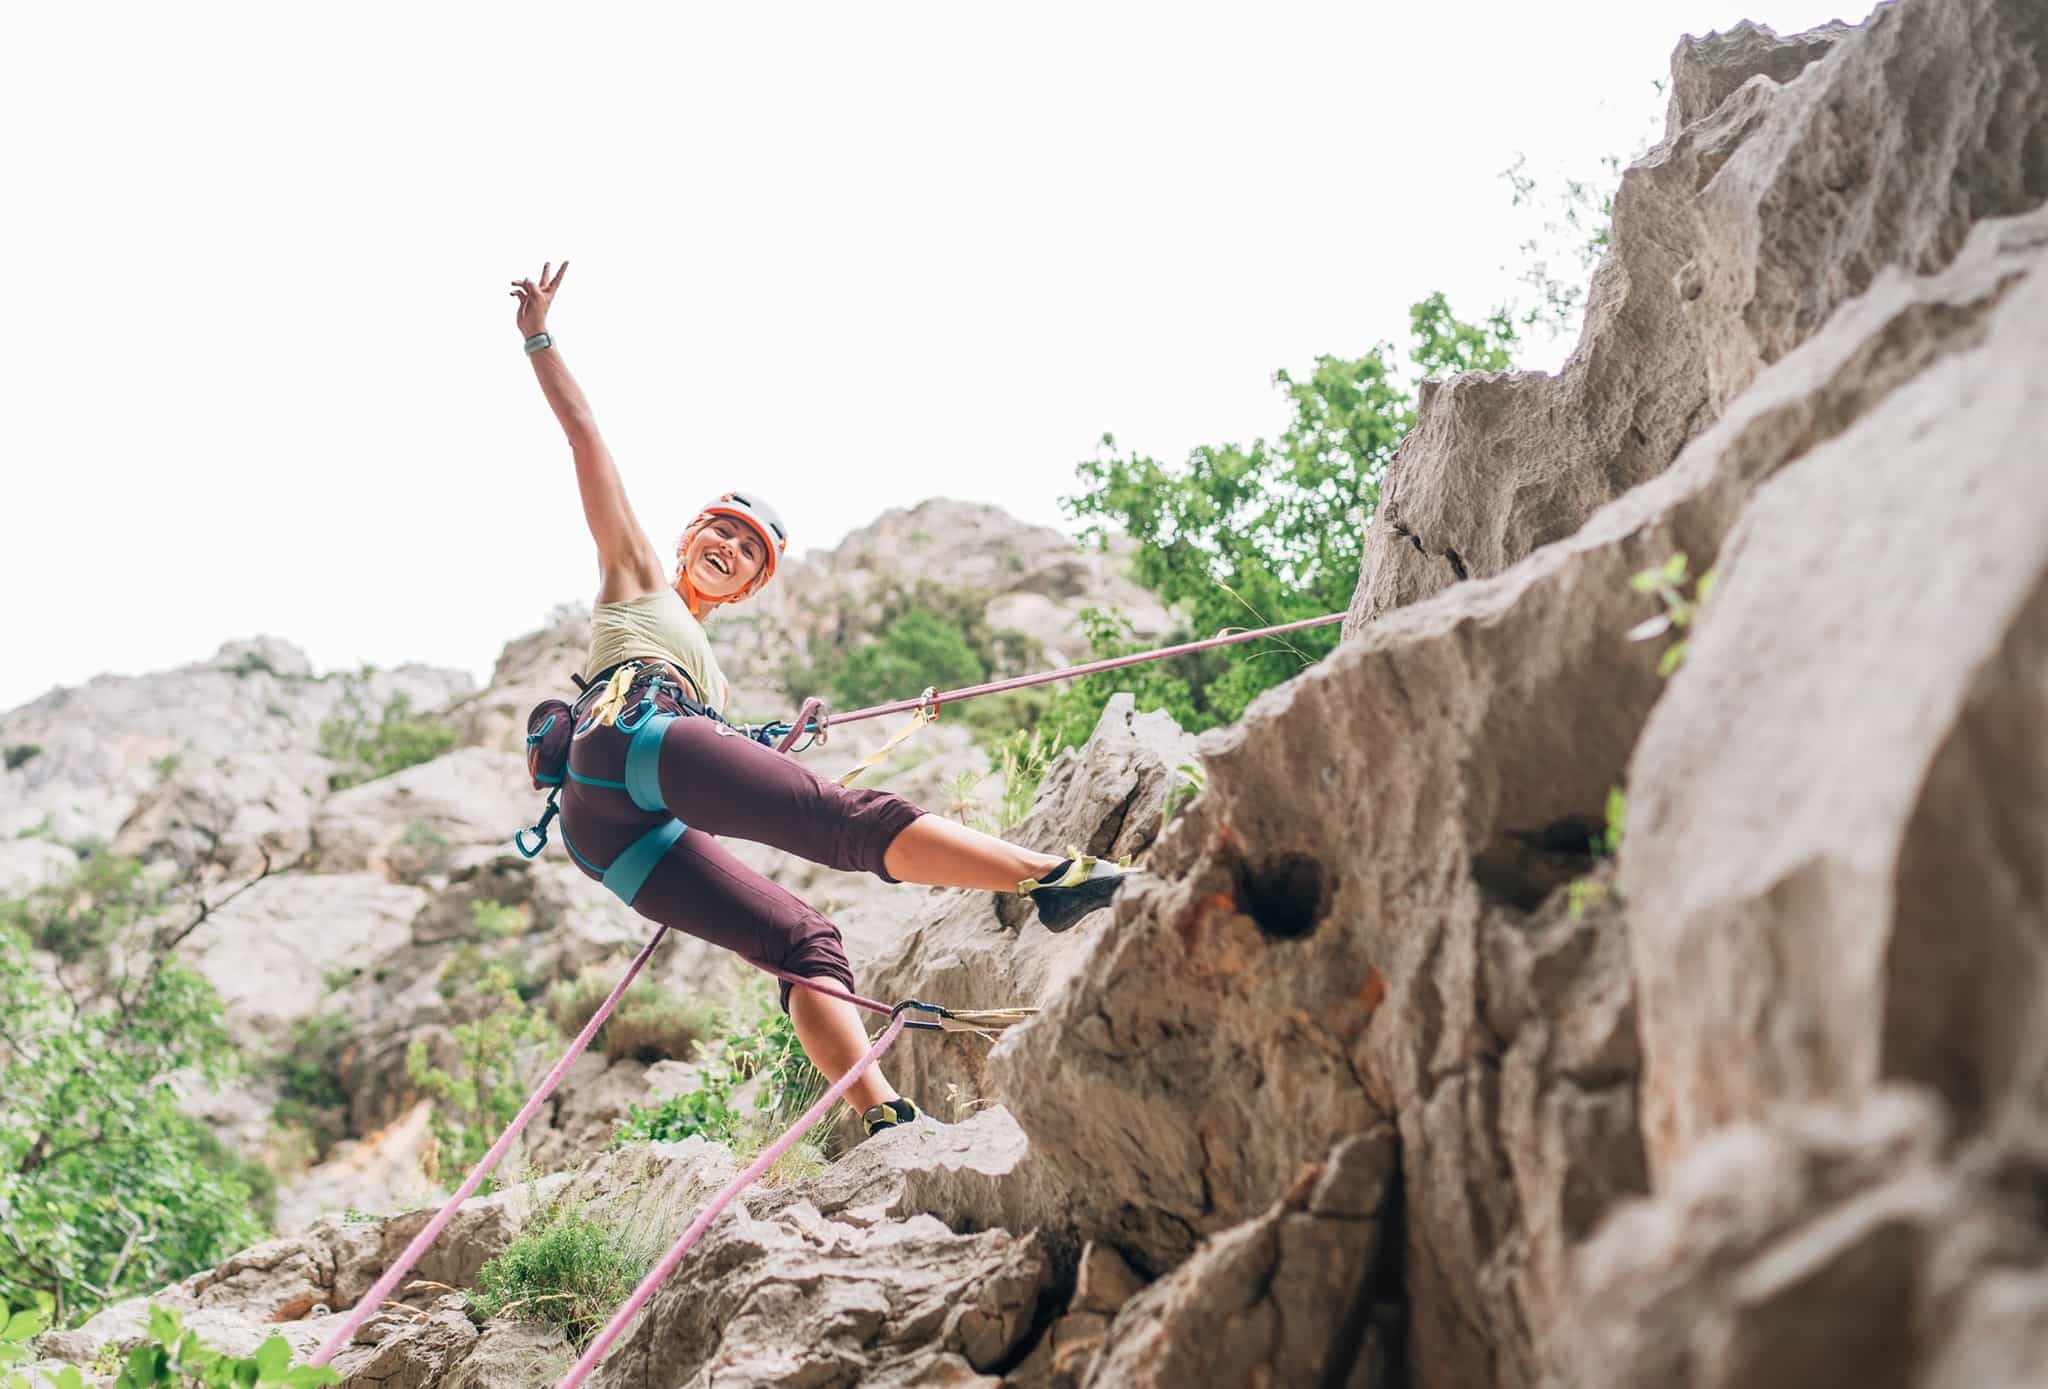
column 1021, row 760
column 1187, row 777
column 960, row 804
column 651, row 1023
column 1668, row 582
column 1593, row 889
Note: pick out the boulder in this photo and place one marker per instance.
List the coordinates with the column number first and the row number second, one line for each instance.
column 27, row 864
column 1827, row 1246
column 409, row 824
column 273, row 952
column 1287, row 1298
column 802, row 1299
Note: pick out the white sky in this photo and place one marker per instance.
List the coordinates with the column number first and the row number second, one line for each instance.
column 259, row 360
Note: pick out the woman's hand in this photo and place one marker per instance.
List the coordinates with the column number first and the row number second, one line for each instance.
column 535, row 298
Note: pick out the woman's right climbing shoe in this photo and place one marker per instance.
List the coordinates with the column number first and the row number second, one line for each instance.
column 1071, row 890
column 888, row 1114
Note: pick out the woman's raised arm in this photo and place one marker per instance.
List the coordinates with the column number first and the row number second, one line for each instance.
column 626, row 562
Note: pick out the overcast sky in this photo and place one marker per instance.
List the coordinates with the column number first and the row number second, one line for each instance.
column 259, row 359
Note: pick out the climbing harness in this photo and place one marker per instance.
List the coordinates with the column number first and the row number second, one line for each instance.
column 645, row 722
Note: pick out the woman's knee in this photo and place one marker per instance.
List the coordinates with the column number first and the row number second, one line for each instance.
column 814, row 950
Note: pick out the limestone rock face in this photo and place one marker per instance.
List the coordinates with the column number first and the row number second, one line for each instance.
column 1794, row 171
column 27, row 864
column 1707, row 71
column 1811, row 917
column 1275, row 1300
column 222, row 756
column 532, row 667
column 275, row 946
column 412, row 823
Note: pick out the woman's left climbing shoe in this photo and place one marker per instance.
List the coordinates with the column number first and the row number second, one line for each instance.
column 1071, row 890
column 888, row 1114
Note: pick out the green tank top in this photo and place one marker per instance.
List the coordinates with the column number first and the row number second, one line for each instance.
column 656, row 625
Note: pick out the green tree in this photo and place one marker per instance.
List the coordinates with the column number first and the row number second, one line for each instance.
column 1264, row 534
column 918, row 649
column 106, row 1187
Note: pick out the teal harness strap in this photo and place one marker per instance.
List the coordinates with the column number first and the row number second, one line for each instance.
column 643, row 762
column 630, row 870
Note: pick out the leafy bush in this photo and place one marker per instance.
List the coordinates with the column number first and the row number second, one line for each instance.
column 368, row 750
column 498, row 921
column 172, row 1358
column 495, row 1053
column 107, row 1187
column 763, row 1045
column 18, row 753
column 566, row 1271
column 105, row 898
column 651, row 1023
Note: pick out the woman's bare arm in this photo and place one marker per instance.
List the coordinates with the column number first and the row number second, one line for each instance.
column 626, row 561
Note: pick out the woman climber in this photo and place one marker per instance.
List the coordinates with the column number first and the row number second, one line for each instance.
column 654, row 771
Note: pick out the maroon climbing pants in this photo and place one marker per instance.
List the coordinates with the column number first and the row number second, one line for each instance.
column 718, row 781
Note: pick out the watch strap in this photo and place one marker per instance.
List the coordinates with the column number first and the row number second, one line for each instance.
column 539, row 342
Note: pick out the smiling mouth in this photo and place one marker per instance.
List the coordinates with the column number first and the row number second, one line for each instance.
column 720, row 565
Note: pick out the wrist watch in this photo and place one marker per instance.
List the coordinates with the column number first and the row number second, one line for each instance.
column 538, row 342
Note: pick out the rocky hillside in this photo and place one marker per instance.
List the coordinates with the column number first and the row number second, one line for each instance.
column 1528, row 999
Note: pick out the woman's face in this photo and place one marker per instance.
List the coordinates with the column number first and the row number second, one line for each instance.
column 723, row 558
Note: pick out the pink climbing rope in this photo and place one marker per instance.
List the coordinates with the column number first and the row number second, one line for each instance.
column 368, row 1303
column 595, row 1351
column 873, row 1005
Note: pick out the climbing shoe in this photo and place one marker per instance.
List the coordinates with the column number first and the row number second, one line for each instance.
column 888, row 1114
column 1074, row 888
